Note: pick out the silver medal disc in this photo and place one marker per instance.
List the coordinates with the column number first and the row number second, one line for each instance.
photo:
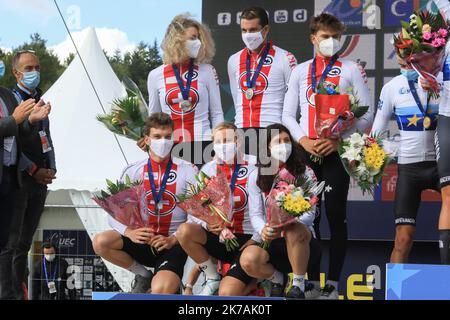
column 249, row 94
column 185, row 105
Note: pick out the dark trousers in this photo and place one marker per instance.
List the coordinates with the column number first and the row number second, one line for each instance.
column 337, row 183
column 8, row 189
column 30, row 201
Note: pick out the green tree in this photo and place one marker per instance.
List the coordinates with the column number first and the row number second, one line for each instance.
column 51, row 68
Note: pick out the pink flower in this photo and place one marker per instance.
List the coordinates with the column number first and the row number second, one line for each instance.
column 443, row 33
column 282, row 184
column 285, row 175
column 438, row 42
column 427, row 36
column 435, row 43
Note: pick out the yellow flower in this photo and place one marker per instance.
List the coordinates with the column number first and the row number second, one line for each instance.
column 374, row 156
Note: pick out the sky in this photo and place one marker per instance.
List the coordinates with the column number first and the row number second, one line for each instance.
column 120, row 24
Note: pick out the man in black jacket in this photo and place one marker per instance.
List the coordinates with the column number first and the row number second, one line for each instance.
column 50, row 276
column 38, row 170
column 16, row 122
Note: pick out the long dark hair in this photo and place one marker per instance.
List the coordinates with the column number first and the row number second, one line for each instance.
column 295, row 164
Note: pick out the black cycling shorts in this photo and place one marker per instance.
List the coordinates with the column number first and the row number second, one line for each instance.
column 412, row 179
column 442, row 140
column 219, row 251
column 173, row 259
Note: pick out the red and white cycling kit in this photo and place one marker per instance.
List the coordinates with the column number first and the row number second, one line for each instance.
column 266, row 107
column 241, row 220
column 165, row 95
column 344, row 73
column 258, row 199
column 170, row 216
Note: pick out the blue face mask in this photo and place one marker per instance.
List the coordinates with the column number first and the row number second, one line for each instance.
column 31, row 79
column 2, row 69
column 411, row 75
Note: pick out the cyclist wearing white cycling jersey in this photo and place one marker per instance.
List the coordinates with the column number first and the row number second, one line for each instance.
column 416, row 113
column 163, row 177
column 443, row 149
column 187, row 88
column 258, row 75
column 326, row 30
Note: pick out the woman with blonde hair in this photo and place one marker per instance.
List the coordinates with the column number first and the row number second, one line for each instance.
column 186, row 86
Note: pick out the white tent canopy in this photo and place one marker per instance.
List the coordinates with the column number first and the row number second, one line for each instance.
column 86, row 152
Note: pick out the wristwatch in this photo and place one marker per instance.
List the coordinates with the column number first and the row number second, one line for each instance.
column 188, row 285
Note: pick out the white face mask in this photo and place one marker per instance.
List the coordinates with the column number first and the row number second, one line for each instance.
column 281, row 152
column 193, row 47
column 161, row 147
column 50, row 257
column 329, row 47
column 253, row 40
column 225, row 151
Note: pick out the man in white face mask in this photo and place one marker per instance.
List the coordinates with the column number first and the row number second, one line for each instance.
column 327, row 69
column 163, row 178
column 258, row 76
column 50, row 275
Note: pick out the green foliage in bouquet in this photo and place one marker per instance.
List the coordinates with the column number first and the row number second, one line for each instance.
column 116, row 187
column 128, row 115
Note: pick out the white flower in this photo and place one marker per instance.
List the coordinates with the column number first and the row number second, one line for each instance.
column 280, row 197
column 352, row 154
column 361, row 170
column 298, row 193
column 356, row 139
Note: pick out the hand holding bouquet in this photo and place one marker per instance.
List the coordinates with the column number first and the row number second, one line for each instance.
column 422, row 44
column 364, row 159
column 124, row 202
column 128, row 115
column 211, row 201
column 336, row 112
column 290, row 198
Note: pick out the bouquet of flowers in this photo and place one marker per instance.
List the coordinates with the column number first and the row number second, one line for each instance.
column 128, row 115
column 124, row 202
column 422, row 44
column 364, row 159
column 335, row 112
column 210, row 200
column 290, row 198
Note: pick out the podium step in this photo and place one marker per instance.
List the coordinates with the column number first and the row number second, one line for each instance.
column 417, row 282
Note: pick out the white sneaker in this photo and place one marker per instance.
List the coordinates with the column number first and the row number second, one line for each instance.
column 329, row 292
column 210, row 287
column 311, row 292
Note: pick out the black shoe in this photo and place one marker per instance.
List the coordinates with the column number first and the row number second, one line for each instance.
column 295, row 293
column 329, row 292
column 277, row 290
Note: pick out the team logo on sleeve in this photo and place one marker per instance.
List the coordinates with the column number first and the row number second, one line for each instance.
column 172, row 177
column 262, row 83
column 169, row 203
column 335, row 72
column 174, row 99
column 268, row 61
column 240, row 198
column 194, row 75
column 243, row 171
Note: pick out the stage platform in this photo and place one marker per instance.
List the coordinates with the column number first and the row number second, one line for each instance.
column 417, row 282
column 130, row 296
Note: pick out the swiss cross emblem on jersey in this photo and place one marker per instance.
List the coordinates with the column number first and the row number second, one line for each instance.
column 262, row 82
column 174, row 99
column 240, row 198
column 169, row 202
